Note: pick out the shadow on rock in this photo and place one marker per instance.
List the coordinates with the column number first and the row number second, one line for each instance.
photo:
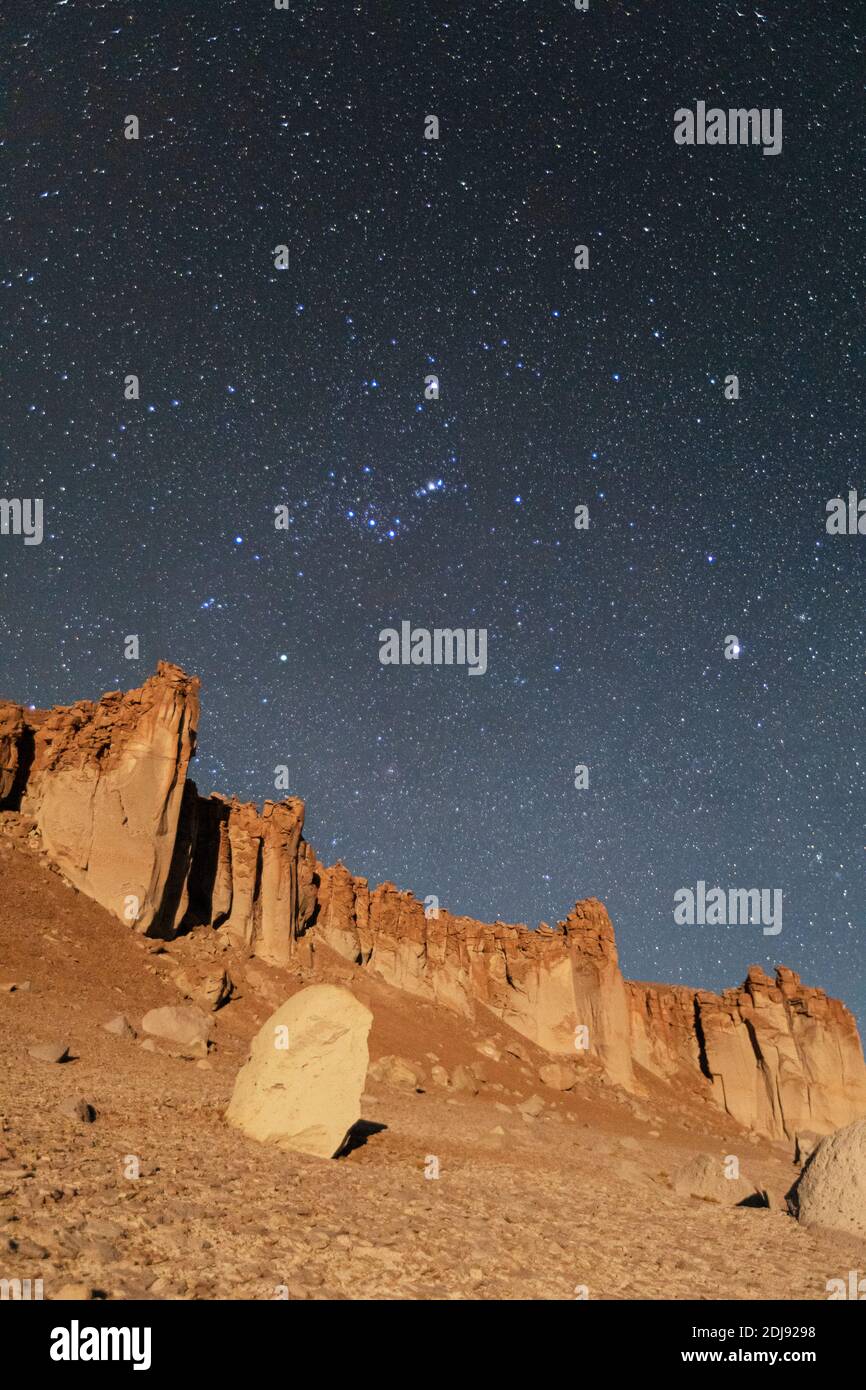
column 358, row 1136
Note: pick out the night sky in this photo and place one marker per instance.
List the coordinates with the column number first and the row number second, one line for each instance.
column 304, row 387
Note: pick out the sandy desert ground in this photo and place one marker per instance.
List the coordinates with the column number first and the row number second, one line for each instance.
column 576, row 1202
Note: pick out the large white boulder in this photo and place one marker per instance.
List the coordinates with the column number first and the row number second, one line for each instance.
column 832, row 1189
column 302, row 1084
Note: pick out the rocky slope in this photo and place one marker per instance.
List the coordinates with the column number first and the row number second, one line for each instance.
column 480, row 1177
column 106, row 790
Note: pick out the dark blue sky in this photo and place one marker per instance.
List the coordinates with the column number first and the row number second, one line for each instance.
column 305, row 387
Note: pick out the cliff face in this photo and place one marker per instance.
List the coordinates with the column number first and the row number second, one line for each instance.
column 778, row 1056
column 525, row 978
column 11, row 747
column 106, row 785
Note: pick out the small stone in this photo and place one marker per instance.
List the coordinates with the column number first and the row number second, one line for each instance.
column 49, row 1052
column 465, row 1079
column 120, row 1026
column 80, row 1110
column 559, row 1076
column 180, row 1023
column 217, row 988
column 531, row 1107
column 395, row 1071
column 805, row 1144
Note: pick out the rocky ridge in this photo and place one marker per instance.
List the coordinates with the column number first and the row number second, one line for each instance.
column 105, row 787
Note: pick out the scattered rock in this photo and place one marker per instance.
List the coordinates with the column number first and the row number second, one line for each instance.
column 49, row 1052
column 439, row 1076
column 120, row 1026
column 805, row 1144
column 531, row 1107
column 395, row 1071
column 464, row 1079
column 301, row 1087
column 704, row 1177
column 79, row 1109
column 210, row 988
column 180, row 1023
column 260, row 980
column 488, row 1048
column 831, row 1190
column 15, row 987
column 559, row 1076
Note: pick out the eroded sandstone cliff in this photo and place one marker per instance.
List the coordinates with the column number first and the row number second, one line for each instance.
column 105, row 784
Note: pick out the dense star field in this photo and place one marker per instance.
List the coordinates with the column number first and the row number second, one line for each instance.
column 304, row 388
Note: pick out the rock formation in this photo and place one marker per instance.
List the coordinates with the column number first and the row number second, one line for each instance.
column 780, row 1057
column 11, row 750
column 302, row 1084
column 106, row 786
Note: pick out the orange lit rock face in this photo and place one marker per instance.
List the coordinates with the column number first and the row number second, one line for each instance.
column 779, row 1057
column 11, row 737
column 783, row 1057
column 105, row 789
column 106, row 785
